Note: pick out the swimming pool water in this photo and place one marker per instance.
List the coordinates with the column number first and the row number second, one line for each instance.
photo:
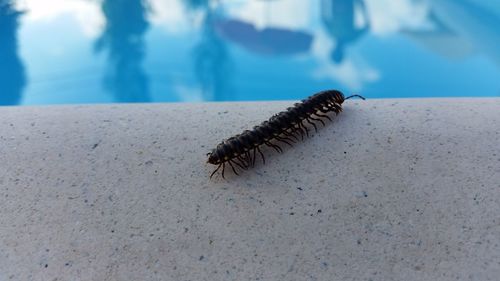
column 89, row 51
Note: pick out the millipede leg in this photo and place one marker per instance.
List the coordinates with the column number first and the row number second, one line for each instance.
column 242, row 164
column 284, row 140
column 254, row 156
column 338, row 108
column 232, row 167
column 316, row 119
column 279, row 147
column 301, row 131
column 333, row 107
column 274, row 146
column 262, row 155
column 287, row 138
column 314, row 125
column 220, row 165
column 295, row 131
column 324, row 116
column 290, row 135
column 242, row 160
column 248, row 158
column 301, row 125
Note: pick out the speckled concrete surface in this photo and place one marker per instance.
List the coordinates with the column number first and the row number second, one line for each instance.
column 391, row 190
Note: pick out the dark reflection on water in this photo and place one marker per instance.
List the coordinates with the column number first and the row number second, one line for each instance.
column 12, row 73
column 123, row 39
column 197, row 4
column 211, row 56
column 338, row 20
column 267, row 41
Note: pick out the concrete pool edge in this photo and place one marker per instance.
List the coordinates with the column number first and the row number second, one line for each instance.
column 403, row 189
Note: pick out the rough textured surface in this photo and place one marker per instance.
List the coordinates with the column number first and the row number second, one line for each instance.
column 391, row 190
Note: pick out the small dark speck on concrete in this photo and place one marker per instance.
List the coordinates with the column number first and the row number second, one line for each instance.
column 365, row 194
column 46, row 265
column 95, row 145
column 345, row 152
column 299, row 188
column 319, row 211
column 359, row 241
column 201, row 258
column 292, row 213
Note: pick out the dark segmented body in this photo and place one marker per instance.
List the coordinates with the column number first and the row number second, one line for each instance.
column 284, row 127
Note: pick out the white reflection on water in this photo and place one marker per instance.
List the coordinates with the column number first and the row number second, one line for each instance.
column 389, row 16
column 170, row 15
column 353, row 72
column 87, row 13
column 290, row 14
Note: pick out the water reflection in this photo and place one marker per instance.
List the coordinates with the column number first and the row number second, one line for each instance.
column 268, row 41
column 380, row 48
column 197, row 4
column 475, row 24
column 212, row 61
column 123, row 37
column 12, row 73
column 338, row 17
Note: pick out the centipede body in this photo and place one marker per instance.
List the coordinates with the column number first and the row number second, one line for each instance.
column 240, row 151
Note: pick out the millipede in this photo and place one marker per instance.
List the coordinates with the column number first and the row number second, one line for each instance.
column 240, row 151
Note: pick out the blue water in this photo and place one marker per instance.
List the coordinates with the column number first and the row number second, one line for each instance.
column 83, row 51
